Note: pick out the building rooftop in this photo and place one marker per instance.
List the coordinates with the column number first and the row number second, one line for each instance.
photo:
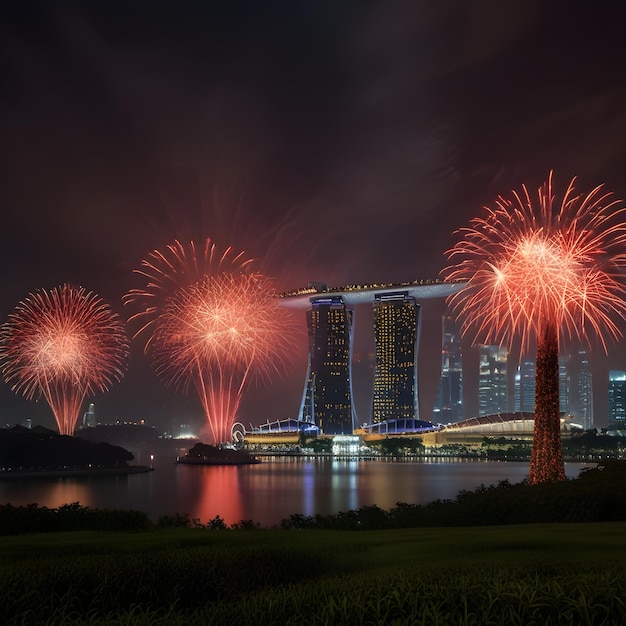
column 366, row 294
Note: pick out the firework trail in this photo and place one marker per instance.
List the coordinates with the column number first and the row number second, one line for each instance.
column 211, row 323
column 63, row 344
column 178, row 265
column 214, row 335
column 543, row 269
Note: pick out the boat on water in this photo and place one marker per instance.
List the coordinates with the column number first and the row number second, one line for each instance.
column 204, row 454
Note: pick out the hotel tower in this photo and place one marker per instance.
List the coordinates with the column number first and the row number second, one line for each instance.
column 396, row 332
column 327, row 398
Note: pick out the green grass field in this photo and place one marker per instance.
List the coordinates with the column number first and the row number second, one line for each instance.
column 528, row 574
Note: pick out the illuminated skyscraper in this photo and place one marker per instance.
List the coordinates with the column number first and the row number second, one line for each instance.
column 581, row 390
column 525, row 387
column 89, row 417
column 449, row 403
column 617, row 400
column 327, row 398
column 396, row 332
column 492, row 382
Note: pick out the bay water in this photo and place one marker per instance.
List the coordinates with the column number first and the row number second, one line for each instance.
column 269, row 491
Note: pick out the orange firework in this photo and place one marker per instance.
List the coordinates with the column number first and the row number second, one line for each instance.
column 543, row 269
column 63, row 344
column 178, row 265
column 215, row 334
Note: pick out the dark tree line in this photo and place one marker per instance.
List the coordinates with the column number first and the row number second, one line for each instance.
column 40, row 449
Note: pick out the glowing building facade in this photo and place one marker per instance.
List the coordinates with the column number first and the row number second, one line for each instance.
column 525, row 387
column 449, row 402
column 327, row 399
column 396, row 333
column 617, row 401
column 581, row 390
column 492, row 380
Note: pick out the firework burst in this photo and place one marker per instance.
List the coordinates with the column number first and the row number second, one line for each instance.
column 63, row 344
column 543, row 269
column 178, row 265
column 215, row 335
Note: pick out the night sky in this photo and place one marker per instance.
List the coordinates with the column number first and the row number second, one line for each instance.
column 335, row 141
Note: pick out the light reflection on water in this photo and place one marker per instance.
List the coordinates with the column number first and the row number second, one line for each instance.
column 270, row 491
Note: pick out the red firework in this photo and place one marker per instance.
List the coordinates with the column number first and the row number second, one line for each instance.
column 214, row 335
column 178, row 265
column 63, row 344
column 543, row 269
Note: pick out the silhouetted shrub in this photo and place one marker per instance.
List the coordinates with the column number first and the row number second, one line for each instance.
column 20, row 520
column 217, row 523
column 178, row 521
column 246, row 524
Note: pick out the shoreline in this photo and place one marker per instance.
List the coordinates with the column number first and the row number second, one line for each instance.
column 203, row 461
column 76, row 472
column 416, row 457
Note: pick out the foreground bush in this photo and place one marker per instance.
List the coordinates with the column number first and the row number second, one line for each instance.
column 17, row 520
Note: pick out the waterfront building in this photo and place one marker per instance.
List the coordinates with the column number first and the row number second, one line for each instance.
column 525, row 387
column 327, row 398
column 492, row 380
column 448, row 406
column 396, row 333
column 346, row 446
column 617, row 400
column 581, row 390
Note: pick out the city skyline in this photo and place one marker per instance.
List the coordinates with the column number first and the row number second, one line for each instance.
column 496, row 392
column 338, row 145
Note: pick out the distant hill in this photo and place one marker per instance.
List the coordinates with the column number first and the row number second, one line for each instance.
column 125, row 435
column 41, row 449
column 135, row 437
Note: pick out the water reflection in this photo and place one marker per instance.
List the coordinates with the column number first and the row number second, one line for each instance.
column 345, row 484
column 308, row 489
column 66, row 491
column 270, row 491
column 214, row 490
